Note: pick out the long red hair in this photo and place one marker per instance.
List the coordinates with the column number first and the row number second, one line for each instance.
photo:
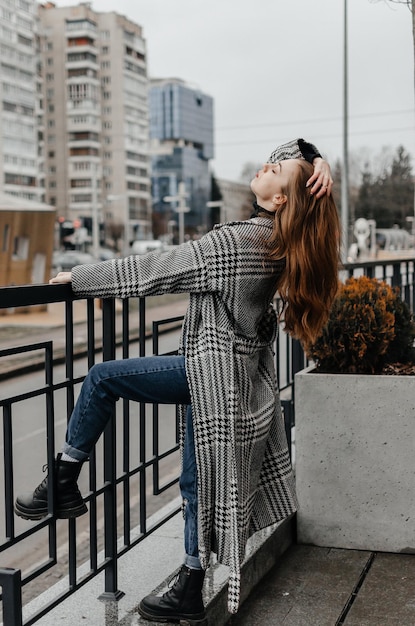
column 306, row 233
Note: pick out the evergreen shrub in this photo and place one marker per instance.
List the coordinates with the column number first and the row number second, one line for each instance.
column 369, row 329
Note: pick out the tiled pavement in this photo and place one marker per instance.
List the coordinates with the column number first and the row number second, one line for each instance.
column 312, row 586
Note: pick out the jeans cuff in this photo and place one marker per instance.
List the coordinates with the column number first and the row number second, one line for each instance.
column 74, row 453
column 192, row 562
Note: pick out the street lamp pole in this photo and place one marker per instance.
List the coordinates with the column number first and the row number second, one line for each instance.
column 95, row 213
column 345, row 169
column 181, row 208
column 126, row 220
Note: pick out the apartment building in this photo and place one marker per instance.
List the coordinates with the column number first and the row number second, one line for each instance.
column 95, row 117
column 181, row 145
column 20, row 165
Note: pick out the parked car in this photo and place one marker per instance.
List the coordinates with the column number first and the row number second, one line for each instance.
column 104, row 254
column 64, row 261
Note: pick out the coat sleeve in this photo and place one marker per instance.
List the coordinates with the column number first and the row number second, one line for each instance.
column 182, row 270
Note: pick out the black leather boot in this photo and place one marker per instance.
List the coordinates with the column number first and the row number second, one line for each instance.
column 182, row 603
column 68, row 499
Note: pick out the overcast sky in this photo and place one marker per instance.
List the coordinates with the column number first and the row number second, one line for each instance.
column 275, row 70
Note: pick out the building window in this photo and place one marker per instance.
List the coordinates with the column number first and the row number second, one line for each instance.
column 20, row 248
column 9, row 106
column 83, row 197
column 24, row 5
column 83, row 152
column 7, row 15
column 81, row 25
column 19, row 179
column 25, row 41
column 81, row 56
column 81, row 182
column 80, row 41
column 84, row 136
column 6, row 234
column 6, row 33
column 82, row 91
column 81, row 166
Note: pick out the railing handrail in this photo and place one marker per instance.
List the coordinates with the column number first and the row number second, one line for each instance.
column 30, row 295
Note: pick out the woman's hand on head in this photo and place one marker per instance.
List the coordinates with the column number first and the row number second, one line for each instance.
column 61, row 278
column 321, row 181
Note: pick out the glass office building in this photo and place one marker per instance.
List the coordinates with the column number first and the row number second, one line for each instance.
column 181, row 136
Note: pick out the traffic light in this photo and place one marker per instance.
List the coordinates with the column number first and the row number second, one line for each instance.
column 66, row 229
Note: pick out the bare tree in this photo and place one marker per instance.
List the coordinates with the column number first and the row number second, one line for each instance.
column 411, row 6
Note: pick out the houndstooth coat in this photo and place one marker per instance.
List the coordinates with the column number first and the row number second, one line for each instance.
column 244, row 473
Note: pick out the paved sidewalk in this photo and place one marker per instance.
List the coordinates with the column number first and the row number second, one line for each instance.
column 312, row 586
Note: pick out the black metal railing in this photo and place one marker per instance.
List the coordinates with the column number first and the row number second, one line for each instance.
column 138, row 468
column 125, row 477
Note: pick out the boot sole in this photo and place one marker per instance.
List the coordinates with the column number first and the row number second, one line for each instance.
column 69, row 513
column 185, row 620
column 28, row 515
column 63, row 514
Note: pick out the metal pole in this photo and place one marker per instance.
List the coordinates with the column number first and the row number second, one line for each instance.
column 345, row 169
column 11, row 582
column 95, row 218
column 126, row 226
column 181, row 208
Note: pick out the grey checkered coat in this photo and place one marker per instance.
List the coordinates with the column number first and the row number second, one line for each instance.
column 245, row 479
column 244, row 471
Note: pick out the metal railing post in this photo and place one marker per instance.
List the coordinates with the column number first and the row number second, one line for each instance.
column 11, row 583
column 110, row 495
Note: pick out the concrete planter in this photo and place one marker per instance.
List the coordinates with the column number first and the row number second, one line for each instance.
column 355, row 460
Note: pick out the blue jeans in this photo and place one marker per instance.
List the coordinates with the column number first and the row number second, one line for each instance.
column 160, row 379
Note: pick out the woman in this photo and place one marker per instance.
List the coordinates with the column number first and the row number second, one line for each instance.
column 236, row 476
